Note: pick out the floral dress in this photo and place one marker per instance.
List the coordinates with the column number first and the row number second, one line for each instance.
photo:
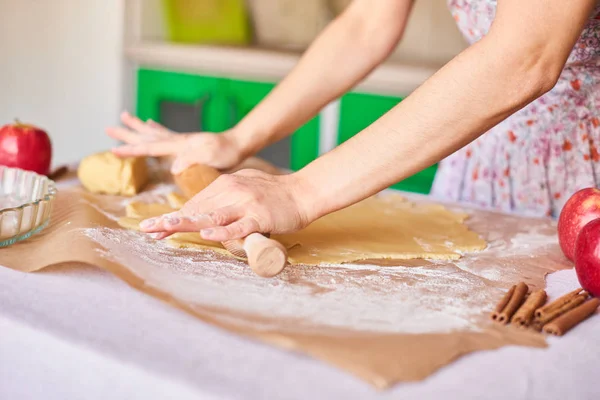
column 534, row 160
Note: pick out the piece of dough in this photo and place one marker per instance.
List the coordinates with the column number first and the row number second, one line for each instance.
column 383, row 227
column 109, row 174
column 137, row 209
column 195, row 178
column 176, row 200
column 182, row 240
column 259, row 164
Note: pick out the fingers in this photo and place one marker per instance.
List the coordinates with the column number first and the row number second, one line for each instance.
column 153, row 149
column 237, row 230
column 140, row 132
column 178, row 222
column 161, row 235
column 140, row 126
column 175, row 222
column 124, row 135
column 159, row 127
column 218, row 226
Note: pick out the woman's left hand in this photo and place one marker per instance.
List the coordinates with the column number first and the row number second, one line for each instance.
column 236, row 205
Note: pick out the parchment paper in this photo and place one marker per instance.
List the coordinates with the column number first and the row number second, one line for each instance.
column 384, row 323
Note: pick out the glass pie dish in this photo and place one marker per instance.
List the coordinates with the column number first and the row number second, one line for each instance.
column 26, row 200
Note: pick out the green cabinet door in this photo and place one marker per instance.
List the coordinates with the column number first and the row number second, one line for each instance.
column 357, row 111
column 223, row 103
column 245, row 95
column 304, row 142
column 208, row 93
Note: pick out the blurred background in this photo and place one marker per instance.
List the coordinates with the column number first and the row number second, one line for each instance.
column 71, row 66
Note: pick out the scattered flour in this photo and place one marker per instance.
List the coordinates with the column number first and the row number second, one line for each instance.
column 501, row 252
column 438, row 297
column 14, row 222
column 351, row 296
column 9, row 201
column 524, row 243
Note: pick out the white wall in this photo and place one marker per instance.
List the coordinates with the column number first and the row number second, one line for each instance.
column 61, row 68
column 431, row 34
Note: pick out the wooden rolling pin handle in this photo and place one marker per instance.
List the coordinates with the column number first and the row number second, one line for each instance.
column 266, row 257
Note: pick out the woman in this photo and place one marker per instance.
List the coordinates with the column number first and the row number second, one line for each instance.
column 515, row 115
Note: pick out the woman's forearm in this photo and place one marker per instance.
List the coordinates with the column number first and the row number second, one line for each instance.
column 479, row 88
column 347, row 51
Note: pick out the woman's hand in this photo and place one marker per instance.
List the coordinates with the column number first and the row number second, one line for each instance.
column 152, row 139
column 239, row 204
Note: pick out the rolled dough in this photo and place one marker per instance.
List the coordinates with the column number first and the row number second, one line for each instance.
column 109, row 174
column 381, row 227
column 176, row 200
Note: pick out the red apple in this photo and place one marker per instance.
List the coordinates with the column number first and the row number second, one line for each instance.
column 25, row 146
column 587, row 257
column 581, row 208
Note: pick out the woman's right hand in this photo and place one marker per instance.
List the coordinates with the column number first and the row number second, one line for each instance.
column 150, row 138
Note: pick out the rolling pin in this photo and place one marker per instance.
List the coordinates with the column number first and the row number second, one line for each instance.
column 266, row 257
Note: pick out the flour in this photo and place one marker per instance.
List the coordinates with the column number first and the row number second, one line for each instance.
column 156, row 195
column 435, row 298
column 530, row 244
column 493, row 273
column 425, row 245
column 17, row 221
column 524, row 243
column 10, row 201
column 351, row 296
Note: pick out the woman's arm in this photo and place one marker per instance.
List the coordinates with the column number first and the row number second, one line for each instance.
column 345, row 52
column 519, row 60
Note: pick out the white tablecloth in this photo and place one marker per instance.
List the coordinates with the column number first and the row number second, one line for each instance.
column 80, row 333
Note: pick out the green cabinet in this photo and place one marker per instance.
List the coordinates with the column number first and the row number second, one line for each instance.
column 304, row 142
column 155, row 87
column 359, row 110
column 222, row 102
column 305, row 145
column 246, row 95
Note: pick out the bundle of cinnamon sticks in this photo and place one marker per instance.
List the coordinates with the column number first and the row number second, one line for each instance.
column 529, row 310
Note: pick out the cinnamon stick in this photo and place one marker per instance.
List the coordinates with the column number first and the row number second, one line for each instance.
column 524, row 314
column 500, row 306
column 58, row 173
column 565, row 322
column 556, row 304
column 516, row 298
column 557, row 312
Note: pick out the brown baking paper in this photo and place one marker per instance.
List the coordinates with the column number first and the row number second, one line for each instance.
column 386, row 323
